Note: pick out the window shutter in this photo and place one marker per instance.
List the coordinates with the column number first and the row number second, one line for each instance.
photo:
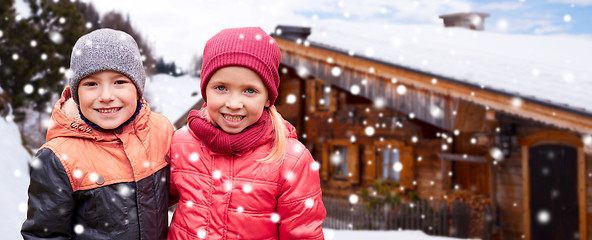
column 353, row 165
column 369, row 161
column 407, row 174
column 324, row 162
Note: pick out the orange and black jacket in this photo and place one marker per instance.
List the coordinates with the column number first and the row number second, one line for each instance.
column 91, row 184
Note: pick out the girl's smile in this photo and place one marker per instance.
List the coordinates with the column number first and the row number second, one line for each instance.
column 236, row 98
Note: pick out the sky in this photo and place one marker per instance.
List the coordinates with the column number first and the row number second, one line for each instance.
column 178, row 29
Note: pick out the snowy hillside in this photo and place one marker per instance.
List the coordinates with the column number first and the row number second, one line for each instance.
column 172, row 96
column 14, row 180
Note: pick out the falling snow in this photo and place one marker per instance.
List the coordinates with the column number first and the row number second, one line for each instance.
column 355, row 89
column 275, row 217
column 56, row 37
column 291, row 99
column 194, row 157
column 543, row 217
column 353, row 199
column 217, row 174
column 247, row 188
column 78, row 229
column 315, row 166
column 369, row 131
column 309, row 203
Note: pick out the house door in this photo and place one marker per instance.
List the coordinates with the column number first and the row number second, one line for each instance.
column 553, row 192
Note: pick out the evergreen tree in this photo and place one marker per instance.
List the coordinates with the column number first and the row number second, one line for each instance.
column 35, row 52
column 168, row 68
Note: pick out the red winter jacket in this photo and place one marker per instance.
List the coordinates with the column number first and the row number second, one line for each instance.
column 236, row 197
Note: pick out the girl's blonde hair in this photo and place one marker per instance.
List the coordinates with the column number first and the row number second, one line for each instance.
column 279, row 143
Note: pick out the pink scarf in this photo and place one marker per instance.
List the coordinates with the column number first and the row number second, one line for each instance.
column 220, row 141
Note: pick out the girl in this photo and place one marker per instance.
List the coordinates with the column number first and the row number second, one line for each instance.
column 238, row 170
column 102, row 174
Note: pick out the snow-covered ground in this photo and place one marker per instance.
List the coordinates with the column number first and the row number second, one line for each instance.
column 331, row 234
column 14, row 180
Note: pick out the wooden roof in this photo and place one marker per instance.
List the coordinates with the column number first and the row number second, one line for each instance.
column 426, row 93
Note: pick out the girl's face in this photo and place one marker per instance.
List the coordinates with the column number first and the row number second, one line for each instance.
column 107, row 98
column 236, row 98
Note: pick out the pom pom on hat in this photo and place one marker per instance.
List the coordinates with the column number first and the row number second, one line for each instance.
column 106, row 49
column 248, row 47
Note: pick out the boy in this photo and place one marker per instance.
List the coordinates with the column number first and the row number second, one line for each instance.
column 103, row 171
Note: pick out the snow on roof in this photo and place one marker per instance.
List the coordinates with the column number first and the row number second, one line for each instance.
column 172, row 96
column 552, row 69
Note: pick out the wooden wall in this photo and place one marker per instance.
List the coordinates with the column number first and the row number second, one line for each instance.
column 509, row 194
column 505, row 185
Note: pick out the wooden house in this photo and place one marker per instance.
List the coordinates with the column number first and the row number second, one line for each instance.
column 366, row 117
column 447, row 113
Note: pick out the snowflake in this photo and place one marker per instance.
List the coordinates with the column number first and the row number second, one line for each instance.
column 309, row 203
column 291, row 99
column 124, row 191
column 275, row 217
column 401, row 89
column 567, row 18
column 201, row 234
column 543, row 216
column 398, row 166
column 496, row 153
column 379, row 102
column 77, row 173
column 247, row 188
column 353, row 199
column 35, row 163
column 336, row 71
column 227, row 186
column 93, row 177
column 369, row 131
column 315, row 166
column 78, row 229
column 194, row 157
column 217, row 174
column 355, row 89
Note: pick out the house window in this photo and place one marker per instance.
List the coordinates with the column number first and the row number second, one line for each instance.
column 391, row 165
column 339, row 161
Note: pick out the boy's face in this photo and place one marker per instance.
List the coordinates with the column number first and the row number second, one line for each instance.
column 236, row 98
column 107, row 98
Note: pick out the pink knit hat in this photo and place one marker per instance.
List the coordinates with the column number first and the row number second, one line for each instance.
column 248, row 47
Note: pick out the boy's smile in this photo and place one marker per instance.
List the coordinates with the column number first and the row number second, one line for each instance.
column 236, row 98
column 107, row 98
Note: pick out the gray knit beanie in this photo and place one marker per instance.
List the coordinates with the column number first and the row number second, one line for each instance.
column 106, row 49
